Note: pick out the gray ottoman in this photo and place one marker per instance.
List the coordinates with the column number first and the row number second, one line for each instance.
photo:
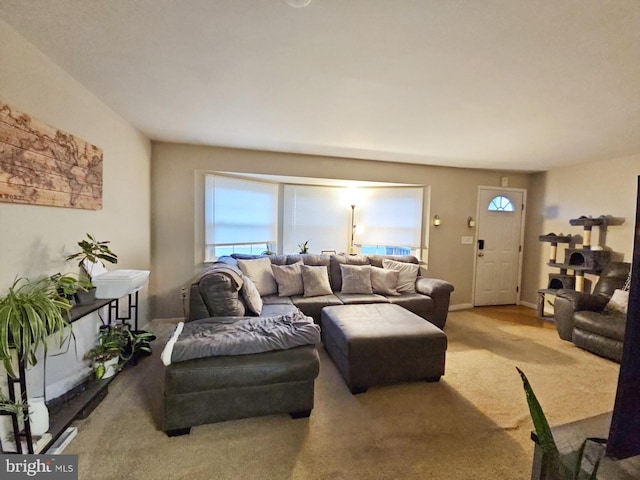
column 375, row 344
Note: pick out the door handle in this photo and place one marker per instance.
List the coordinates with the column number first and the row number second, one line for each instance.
column 480, row 248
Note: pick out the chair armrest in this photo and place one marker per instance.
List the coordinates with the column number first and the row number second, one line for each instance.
column 583, row 301
column 440, row 293
column 567, row 303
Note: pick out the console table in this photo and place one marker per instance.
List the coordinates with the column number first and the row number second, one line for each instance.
column 81, row 400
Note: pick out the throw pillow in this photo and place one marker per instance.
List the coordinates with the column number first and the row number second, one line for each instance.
column 315, row 280
column 384, row 281
column 356, row 279
column 619, row 301
column 407, row 274
column 251, row 296
column 289, row 279
column 260, row 272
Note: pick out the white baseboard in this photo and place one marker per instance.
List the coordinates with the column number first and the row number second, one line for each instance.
column 465, row 306
column 460, row 306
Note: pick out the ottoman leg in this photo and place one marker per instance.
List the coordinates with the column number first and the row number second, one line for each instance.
column 300, row 414
column 432, row 379
column 178, row 432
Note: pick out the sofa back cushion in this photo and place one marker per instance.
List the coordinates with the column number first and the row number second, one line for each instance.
column 356, row 279
column 407, row 274
column 335, row 272
column 215, row 293
column 289, row 279
column 316, row 280
column 260, row 272
column 384, row 281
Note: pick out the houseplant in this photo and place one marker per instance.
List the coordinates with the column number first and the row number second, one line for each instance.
column 9, row 406
column 555, row 468
column 92, row 252
column 116, row 345
column 105, row 356
column 72, row 287
column 29, row 313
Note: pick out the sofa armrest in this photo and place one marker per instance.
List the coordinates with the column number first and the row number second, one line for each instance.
column 433, row 286
column 440, row 293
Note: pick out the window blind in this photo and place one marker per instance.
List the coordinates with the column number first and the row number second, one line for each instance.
column 317, row 214
column 240, row 211
column 390, row 216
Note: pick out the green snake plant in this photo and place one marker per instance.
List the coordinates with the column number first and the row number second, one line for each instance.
column 556, row 469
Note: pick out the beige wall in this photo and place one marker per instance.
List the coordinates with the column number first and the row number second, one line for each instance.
column 175, row 260
column 35, row 239
column 598, row 188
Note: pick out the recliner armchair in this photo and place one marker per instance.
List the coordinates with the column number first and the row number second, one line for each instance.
column 581, row 318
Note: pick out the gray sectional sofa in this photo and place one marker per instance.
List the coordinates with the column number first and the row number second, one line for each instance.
column 215, row 292
column 205, row 390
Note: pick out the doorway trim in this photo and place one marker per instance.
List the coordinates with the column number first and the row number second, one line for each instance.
column 475, row 236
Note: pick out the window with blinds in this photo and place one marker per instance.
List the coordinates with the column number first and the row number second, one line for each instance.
column 241, row 216
column 389, row 221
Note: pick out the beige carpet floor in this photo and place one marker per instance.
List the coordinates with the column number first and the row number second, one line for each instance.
column 473, row 424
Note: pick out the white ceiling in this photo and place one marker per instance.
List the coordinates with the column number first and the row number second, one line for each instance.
column 503, row 84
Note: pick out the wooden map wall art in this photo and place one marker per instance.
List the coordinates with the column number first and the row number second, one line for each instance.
column 41, row 165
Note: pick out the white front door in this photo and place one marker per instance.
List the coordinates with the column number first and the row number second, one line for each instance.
column 498, row 247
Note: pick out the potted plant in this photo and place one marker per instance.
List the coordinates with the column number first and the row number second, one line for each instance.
column 92, row 252
column 116, row 346
column 74, row 288
column 29, row 313
column 9, row 406
column 138, row 343
column 105, row 356
column 304, row 248
column 555, row 469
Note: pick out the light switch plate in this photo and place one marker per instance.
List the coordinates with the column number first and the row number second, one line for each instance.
column 467, row 240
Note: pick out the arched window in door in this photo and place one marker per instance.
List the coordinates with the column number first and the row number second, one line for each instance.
column 500, row 204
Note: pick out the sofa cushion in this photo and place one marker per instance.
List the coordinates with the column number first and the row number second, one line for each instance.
column 276, row 300
column 278, row 309
column 384, row 281
column 419, row 304
column 335, row 272
column 259, row 270
column 359, row 298
column 250, row 295
column 407, row 274
column 315, row 280
column 289, row 279
column 356, row 279
column 610, row 325
column 312, row 306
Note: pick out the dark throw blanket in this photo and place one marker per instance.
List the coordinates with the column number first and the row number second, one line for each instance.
column 239, row 336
